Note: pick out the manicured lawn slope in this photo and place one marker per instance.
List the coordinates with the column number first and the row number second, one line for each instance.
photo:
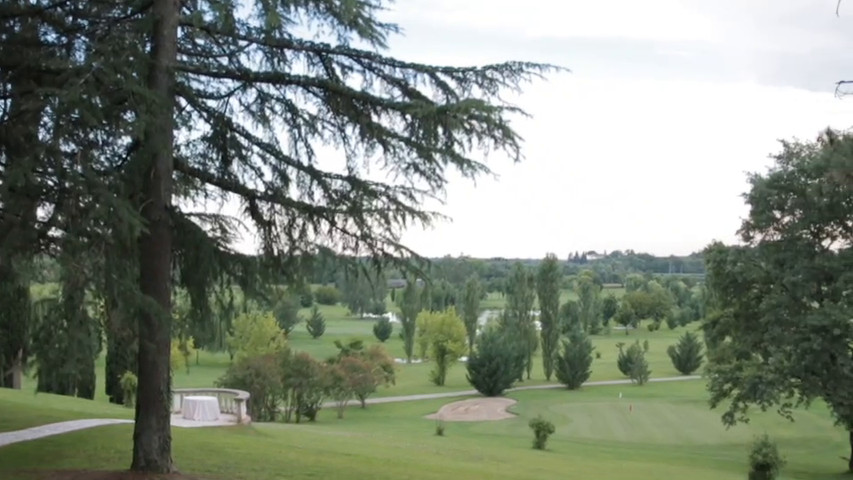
column 669, row 433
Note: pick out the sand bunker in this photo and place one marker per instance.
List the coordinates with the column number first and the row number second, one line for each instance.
column 475, row 410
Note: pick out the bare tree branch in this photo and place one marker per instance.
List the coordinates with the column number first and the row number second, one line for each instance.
column 839, row 88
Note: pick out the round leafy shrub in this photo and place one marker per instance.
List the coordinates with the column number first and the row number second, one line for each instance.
column 306, row 299
column 261, row 376
column 764, row 459
column 128, row 383
column 542, row 429
column 377, row 307
column 382, row 329
column 327, row 295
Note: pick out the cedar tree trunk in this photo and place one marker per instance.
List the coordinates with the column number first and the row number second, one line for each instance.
column 152, row 435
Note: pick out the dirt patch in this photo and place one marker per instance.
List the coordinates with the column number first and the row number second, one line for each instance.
column 98, row 475
column 475, row 410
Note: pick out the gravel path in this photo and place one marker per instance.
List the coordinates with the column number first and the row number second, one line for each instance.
column 17, row 436
column 7, row 438
column 466, row 393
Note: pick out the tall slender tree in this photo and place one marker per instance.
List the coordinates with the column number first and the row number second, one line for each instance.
column 518, row 315
column 471, row 309
column 589, row 302
column 548, row 290
column 410, row 302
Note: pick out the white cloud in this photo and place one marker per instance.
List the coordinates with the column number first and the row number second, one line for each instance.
column 642, row 158
column 651, row 165
column 771, row 23
column 660, row 20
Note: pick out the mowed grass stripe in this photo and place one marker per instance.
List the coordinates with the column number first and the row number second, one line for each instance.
column 670, row 434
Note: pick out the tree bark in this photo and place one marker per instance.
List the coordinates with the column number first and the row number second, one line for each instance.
column 152, row 435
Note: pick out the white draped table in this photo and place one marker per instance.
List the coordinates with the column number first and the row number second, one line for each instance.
column 200, row 409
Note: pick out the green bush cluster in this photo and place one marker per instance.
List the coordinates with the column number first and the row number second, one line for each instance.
column 632, row 362
column 764, row 459
column 542, row 429
column 327, row 295
column 292, row 386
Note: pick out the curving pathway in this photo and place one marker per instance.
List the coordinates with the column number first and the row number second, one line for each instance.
column 465, row 393
column 17, row 436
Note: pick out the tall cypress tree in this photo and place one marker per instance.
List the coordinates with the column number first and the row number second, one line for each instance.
column 518, row 315
column 410, row 301
column 471, row 309
column 548, row 290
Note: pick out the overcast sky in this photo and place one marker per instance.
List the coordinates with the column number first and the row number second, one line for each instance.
column 646, row 143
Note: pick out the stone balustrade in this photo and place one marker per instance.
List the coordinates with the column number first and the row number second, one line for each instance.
column 234, row 402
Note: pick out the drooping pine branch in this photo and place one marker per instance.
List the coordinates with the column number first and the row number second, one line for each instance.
column 257, row 101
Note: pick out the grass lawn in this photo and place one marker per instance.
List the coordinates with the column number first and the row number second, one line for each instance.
column 25, row 409
column 669, row 433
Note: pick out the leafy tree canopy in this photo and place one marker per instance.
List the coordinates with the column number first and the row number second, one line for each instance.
column 780, row 332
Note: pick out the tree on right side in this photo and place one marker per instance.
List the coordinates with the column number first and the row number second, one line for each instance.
column 686, row 355
column 778, row 332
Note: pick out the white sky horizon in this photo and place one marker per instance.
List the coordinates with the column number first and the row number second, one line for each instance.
column 646, row 144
